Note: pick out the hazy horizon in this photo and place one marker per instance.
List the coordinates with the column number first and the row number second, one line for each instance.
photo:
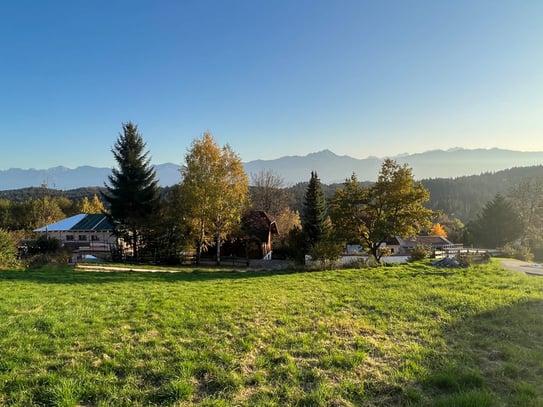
column 402, row 155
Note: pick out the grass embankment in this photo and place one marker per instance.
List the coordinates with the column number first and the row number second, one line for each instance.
column 403, row 335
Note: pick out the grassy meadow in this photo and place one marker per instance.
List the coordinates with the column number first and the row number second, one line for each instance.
column 408, row 335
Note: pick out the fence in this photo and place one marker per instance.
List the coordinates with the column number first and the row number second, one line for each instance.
column 456, row 250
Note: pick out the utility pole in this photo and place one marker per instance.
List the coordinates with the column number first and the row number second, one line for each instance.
column 44, row 190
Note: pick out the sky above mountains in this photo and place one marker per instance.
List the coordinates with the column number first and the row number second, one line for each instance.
column 271, row 78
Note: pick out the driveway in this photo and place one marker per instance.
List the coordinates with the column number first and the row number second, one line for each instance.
column 532, row 269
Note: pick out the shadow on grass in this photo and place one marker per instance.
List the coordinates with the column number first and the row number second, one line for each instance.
column 69, row 275
column 493, row 358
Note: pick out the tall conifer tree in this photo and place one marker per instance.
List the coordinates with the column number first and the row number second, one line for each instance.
column 314, row 223
column 132, row 193
column 499, row 223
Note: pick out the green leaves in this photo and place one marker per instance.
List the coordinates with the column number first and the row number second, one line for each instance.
column 393, row 206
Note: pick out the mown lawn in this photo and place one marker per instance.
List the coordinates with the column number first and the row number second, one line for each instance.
column 402, row 335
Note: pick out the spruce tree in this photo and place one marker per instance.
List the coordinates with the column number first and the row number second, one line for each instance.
column 314, row 223
column 132, row 193
column 499, row 223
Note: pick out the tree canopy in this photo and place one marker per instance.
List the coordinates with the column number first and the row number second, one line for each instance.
column 499, row 223
column 91, row 206
column 393, row 206
column 437, row 230
column 215, row 189
column 268, row 193
column 527, row 199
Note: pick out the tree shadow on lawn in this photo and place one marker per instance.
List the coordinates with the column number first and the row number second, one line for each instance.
column 68, row 275
column 493, row 358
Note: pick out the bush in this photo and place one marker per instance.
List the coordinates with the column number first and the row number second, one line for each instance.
column 47, row 259
column 420, row 252
column 294, row 248
column 44, row 245
column 326, row 254
column 359, row 263
column 518, row 252
column 8, row 250
column 466, row 259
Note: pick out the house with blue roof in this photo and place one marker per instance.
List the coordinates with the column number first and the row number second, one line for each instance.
column 83, row 232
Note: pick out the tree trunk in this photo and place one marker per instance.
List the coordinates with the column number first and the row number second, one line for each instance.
column 218, row 242
column 375, row 252
column 135, row 244
column 200, row 245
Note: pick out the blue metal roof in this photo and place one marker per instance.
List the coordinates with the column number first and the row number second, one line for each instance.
column 61, row 225
column 95, row 221
column 81, row 222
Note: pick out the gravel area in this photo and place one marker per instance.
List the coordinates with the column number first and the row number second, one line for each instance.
column 532, row 269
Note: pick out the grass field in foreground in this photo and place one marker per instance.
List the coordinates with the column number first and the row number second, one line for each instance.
column 402, row 335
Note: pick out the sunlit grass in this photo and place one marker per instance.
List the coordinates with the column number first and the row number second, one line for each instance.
column 402, row 335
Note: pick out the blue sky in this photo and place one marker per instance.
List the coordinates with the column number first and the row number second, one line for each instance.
column 271, row 78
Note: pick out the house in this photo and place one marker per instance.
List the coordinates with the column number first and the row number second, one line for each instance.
column 258, row 229
column 403, row 247
column 83, row 233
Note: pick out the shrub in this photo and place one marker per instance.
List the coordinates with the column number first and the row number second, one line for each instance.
column 358, row 263
column 294, row 248
column 43, row 245
column 47, row 259
column 326, row 254
column 517, row 251
column 420, row 252
column 8, row 250
column 466, row 259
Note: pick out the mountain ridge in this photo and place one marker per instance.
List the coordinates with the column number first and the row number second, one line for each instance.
column 330, row 167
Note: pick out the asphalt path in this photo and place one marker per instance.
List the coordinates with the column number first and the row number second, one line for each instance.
column 532, row 269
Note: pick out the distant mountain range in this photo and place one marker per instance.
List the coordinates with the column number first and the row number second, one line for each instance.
column 63, row 178
column 330, row 167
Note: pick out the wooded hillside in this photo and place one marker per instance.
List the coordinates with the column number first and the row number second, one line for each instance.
column 462, row 198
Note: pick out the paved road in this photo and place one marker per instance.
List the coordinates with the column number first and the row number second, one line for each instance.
column 532, row 269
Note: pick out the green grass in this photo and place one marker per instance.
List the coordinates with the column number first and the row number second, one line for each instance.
column 406, row 335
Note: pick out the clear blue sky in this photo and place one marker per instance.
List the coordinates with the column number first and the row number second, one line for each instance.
column 269, row 77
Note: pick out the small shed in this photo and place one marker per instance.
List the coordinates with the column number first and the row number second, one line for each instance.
column 255, row 241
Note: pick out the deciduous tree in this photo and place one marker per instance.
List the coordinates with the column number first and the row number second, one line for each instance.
column 346, row 212
column 393, row 206
column 268, row 193
column 93, row 206
column 132, row 193
column 215, row 191
column 437, row 230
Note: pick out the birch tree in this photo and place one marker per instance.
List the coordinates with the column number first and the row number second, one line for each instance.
column 215, row 189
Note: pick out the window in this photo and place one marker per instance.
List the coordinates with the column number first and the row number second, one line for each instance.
column 95, row 238
column 69, row 237
column 82, row 237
